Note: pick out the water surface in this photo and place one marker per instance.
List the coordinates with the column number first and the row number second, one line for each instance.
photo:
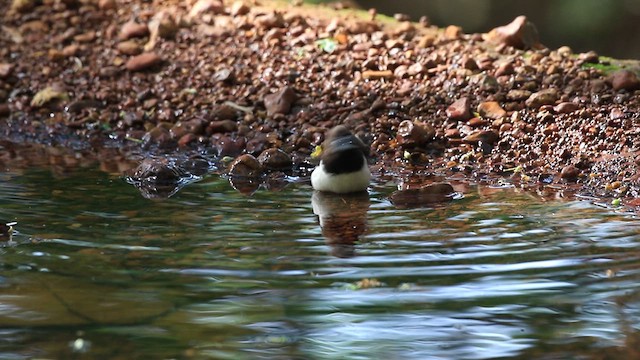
column 98, row 271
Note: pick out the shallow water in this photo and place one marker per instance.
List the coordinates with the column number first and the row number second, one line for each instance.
column 98, row 271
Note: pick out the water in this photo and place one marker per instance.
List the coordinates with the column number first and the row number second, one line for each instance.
column 98, row 271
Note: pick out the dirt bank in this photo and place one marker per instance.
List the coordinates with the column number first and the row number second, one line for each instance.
column 218, row 80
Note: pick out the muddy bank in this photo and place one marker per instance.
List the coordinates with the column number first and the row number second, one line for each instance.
column 212, row 81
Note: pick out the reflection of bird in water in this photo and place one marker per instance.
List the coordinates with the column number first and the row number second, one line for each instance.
column 343, row 218
column 343, row 164
column 6, row 230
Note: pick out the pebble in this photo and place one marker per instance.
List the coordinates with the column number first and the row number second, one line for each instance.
column 129, row 47
column 452, row 32
column 280, row 102
column 239, row 8
column 107, row 4
column 485, row 136
column 132, row 29
column 225, row 145
column 222, row 126
column 460, row 110
column 505, row 68
column 517, row 94
column 5, row 111
column 520, row 33
column 206, row 6
column 275, row 159
column 491, row 110
column 5, row 70
column 411, row 133
column 245, row 165
column 566, row 107
column 181, row 128
column 570, row 173
column 542, row 97
column 428, row 194
column 143, row 61
column 624, row 80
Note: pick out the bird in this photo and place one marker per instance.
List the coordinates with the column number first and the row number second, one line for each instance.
column 343, row 164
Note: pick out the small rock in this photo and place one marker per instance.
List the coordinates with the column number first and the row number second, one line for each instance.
column 484, row 136
column 143, row 61
column 5, row 111
column 239, row 8
column 411, row 133
column 520, row 33
column 452, row 32
column 107, row 4
column 181, row 128
column 624, row 80
column 23, row 6
column 270, row 20
column 160, row 136
column 133, row 29
column 416, row 69
column 206, row 6
column 505, row 68
column 616, row 113
column 590, row 57
column 226, row 145
column 477, row 122
column 225, row 75
column 518, row 94
column 222, row 126
column 460, row 110
column 280, row 102
column 5, row 70
column 129, row 47
column 245, row 166
column 542, row 97
column 158, row 171
column 566, row 107
column 570, row 173
column 275, row 159
column 491, row 110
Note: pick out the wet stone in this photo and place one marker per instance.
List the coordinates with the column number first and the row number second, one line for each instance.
column 182, row 128
column 460, row 110
column 275, row 159
column 225, row 145
column 222, row 126
column 425, row 195
column 246, row 166
column 485, row 136
column 570, row 173
column 411, row 133
column 129, row 47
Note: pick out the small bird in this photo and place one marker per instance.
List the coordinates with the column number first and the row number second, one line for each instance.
column 343, row 164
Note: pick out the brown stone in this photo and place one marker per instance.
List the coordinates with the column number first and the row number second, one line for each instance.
column 520, row 33
column 181, row 128
column 570, row 173
column 245, row 166
column 129, row 47
column 624, row 80
column 566, row 107
column 143, row 61
column 491, row 110
column 206, row 6
column 452, row 32
column 239, row 8
column 275, row 159
column 133, row 29
column 542, row 97
column 222, row 126
column 107, row 4
column 412, row 133
column 460, row 110
column 485, row 136
column 280, row 102
column 5, row 70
